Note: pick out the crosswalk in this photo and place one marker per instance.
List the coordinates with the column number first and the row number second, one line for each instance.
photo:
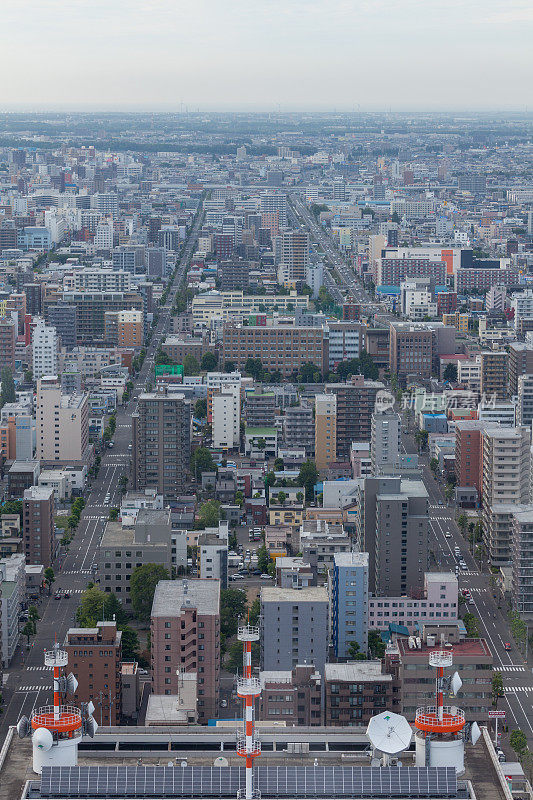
column 467, row 572
column 32, row 688
column 509, row 668
column 518, row 688
column 38, row 669
column 77, row 572
column 93, row 517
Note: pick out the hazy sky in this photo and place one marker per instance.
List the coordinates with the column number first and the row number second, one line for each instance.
column 295, row 54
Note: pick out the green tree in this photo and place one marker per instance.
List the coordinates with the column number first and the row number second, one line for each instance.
column 209, row 362
column 354, row 651
column 29, row 629
column 232, row 609
column 261, row 444
column 518, row 741
column 97, row 605
column 49, row 578
column 497, row 687
column 190, row 365
column 270, row 479
column 113, row 514
column 202, row 461
column 33, row 614
column 278, row 464
column 450, row 372
column 209, row 514
column 143, row 581
column 254, row 367
column 200, row 408
column 234, row 657
column 421, row 438
column 309, row 373
column 12, row 507
column 434, row 466
column 255, row 611
column 130, row 644
column 472, row 629
column 263, row 559
column 9, row 394
column 239, row 498
column 462, row 521
column 229, row 366
column 307, row 478
column 376, row 645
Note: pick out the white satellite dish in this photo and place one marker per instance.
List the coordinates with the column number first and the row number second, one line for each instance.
column 23, row 727
column 71, row 683
column 90, row 708
column 456, row 683
column 43, row 739
column 220, row 761
column 390, row 733
column 453, row 711
column 475, row 733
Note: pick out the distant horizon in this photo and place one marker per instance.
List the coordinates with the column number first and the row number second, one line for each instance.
column 53, row 108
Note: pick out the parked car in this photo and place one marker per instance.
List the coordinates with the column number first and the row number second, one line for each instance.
column 265, row 576
column 507, row 646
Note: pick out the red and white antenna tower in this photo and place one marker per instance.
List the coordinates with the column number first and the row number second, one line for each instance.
column 248, row 689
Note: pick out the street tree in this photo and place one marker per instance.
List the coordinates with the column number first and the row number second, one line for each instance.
column 518, row 741
column 97, row 605
column 209, row 362
column 209, row 514
column 497, row 688
column 143, row 581
column 232, row 609
column 29, row 629
column 49, row 578
column 307, row 478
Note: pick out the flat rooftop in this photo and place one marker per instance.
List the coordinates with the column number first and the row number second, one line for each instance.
column 311, row 594
column 358, row 671
column 170, row 596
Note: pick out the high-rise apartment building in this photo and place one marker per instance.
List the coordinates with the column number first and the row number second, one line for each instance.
column 356, row 400
column 8, row 335
column 38, row 529
column 124, row 328
column 299, row 428
column 185, row 637
column 294, row 253
column 349, row 601
column 520, row 363
column 524, row 409
column 494, row 374
column 226, row 411
column 64, row 318
column 44, row 347
column 468, row 454
column 95, row 658
column 272, row 202
column 161, row 442
column 325, row 430
column 62, row 423
column 505, row 456
column 521, row 559
column 411, row 350
column 294, row 627
column 393, row 528
column 385, row 439
column 260, row 408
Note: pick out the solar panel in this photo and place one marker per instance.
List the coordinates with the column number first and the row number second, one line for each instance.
column 273, row 782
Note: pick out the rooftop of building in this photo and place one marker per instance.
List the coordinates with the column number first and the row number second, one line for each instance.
column 170, row 596
column 474, row 648
column 24, row 466
column 356, row 672
column 311, row 594
column 351, row 559
column 38, row 493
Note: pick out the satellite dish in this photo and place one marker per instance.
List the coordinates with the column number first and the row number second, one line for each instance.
column 43, row 739
column 71, row 683
column 90, row 708
column 220, row 761
column 453, row 711
column 390, row 733
column 475, row 733
column 456, row 683
column 183, row 764
column 91, row 726
column 23, row 727
column 170, row 763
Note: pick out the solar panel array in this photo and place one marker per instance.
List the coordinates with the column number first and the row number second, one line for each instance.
column 133, row 781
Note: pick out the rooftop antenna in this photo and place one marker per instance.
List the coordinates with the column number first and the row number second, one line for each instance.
column 390, row 734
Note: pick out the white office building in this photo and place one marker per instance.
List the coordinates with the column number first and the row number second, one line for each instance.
column 227, row 417
column 44, row 351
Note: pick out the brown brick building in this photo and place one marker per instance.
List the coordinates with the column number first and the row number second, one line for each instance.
column 185, row 637
column 468, row 453
column 411, row 350
column 38, row 527
column 291, row 696
column 355, row 405
column 7, row 343
column 280, row 347
column 353, row 693
column 520, row 363
column 95, row 658
column 494, row 373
